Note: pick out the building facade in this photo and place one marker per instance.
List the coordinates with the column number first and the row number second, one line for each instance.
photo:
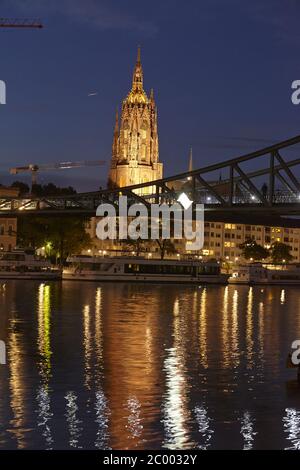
column 222, row 241
column 135, row 154
column 8, row 225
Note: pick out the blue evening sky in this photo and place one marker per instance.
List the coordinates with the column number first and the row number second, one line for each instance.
column 221, row 72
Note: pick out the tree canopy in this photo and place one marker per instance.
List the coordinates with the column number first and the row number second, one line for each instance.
column 64, row 237
column 280, row 252
column 251, row 249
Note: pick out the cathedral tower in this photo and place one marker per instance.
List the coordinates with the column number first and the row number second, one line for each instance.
column 135, row 156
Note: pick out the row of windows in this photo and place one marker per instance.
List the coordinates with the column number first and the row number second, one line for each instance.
column 268, row 239
column 10, row 231
column 249, row 228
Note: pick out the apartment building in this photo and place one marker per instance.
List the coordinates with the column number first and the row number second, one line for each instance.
column 221, row 240
column 8, row 225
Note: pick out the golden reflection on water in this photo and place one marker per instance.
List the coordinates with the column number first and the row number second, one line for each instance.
column 282, row 296
column 44, row 327
column 133, row 364
column 226, row 361
column 87, row 337
column 148, row 372
column 203, row 330
column 235, row 352
column 44, row 348
column 101, row 406
column 98, row 333
column 176, row 409
column 249, row 329
column 261, row 330
column 16, row 362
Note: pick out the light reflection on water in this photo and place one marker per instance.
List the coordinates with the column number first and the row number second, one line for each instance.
column 247, row 430
column 292, row 428
column 146, row 366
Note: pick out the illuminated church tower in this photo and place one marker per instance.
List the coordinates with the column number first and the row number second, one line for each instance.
column 135, row 156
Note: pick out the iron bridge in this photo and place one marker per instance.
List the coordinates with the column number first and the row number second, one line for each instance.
column 264, row 183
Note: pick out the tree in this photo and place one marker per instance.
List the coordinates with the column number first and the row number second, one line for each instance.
column 66, row 236
column 138, row 246
column 31, row 232
column 23, row 187
column 51, row 189
column 165, row 246
column 251, row 249
column 280, row 252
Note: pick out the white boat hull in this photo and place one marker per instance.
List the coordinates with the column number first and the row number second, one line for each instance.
column 210, row 279
column 47, row 276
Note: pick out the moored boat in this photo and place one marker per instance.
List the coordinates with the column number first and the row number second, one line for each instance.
column 24, row 264
column 143, row 270
column 267, row 274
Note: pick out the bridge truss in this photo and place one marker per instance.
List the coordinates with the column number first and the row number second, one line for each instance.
column 262, row 183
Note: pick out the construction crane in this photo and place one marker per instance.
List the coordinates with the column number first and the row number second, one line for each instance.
column 20, row 23
column 34, row 169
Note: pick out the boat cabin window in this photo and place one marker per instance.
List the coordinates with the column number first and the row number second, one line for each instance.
column 179, row 269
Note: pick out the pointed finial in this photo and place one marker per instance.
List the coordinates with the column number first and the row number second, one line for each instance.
column 191, row 160
column 151, row 94
column 137, row 80
column 139, row 54
column 117, row 121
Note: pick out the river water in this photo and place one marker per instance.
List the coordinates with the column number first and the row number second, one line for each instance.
column 131, row 366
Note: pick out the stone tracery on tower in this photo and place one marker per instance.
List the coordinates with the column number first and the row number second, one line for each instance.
column 135, row 155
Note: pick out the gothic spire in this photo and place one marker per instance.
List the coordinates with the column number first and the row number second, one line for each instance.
column 117, row 122
column 137, row 81
column 116, row 137
column 191, row 160
column 139, row 54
